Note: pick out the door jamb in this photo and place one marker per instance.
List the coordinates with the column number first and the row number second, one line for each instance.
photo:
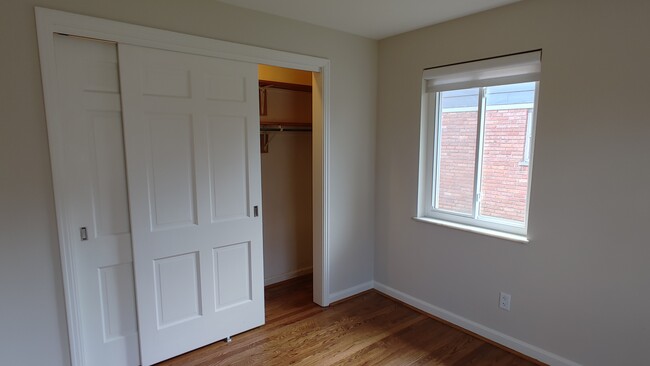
column 49, row 22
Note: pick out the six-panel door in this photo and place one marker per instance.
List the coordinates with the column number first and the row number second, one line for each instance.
column 191, row 133
column 95, row 198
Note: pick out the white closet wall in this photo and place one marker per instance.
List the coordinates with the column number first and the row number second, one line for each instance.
column 287, row 202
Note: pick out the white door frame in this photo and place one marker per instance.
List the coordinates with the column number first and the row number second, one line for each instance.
column 49, row 22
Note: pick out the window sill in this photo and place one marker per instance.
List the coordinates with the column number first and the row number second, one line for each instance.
column 474, row 229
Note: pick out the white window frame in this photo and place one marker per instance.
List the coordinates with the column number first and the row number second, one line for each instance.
column 518, row 68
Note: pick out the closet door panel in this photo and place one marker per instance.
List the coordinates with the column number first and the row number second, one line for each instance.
column 192, row 151
column 170, row 174
column 95, row 199
column 228, row 173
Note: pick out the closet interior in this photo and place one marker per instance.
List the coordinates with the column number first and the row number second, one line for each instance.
column 286, row 160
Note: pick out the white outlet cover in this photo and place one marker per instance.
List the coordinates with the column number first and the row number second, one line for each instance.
column 504, row 301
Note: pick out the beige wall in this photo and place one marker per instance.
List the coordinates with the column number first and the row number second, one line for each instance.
column 581, row 288
column 32, row 312
column 287, row 205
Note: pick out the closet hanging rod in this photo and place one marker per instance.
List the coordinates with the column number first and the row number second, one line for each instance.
column 284, row 128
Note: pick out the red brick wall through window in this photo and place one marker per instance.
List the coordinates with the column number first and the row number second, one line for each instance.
column 504, row 181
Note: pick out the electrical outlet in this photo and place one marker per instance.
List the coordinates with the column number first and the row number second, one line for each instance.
column 504, row 301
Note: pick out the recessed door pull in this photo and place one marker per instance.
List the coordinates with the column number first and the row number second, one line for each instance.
column 255, row 211
column 83, row 233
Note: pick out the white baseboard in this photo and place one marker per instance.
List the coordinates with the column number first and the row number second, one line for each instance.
column 491, row 334
column 287, row 276
column 340, row 295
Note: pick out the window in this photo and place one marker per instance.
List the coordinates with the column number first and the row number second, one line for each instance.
column 477, row 137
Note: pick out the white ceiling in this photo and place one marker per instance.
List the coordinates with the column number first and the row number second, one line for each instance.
column 375, row 19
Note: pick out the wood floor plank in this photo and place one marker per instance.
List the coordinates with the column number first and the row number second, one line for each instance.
column 407, row 346
column 451, row 352
column 369, row 329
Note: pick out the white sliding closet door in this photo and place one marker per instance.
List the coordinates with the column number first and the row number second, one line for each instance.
column 94, row 200
column 191, row 126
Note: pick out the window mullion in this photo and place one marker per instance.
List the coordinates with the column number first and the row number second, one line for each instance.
column 478, row 163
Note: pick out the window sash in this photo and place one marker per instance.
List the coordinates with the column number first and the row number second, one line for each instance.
column 437, row 140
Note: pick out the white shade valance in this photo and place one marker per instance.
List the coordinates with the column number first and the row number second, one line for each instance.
column 519, row 68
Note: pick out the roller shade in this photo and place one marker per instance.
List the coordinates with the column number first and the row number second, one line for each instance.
column 512, row 69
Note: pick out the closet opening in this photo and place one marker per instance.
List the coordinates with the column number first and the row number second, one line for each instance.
column 286, row 146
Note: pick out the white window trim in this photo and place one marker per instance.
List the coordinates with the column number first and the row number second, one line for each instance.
column 475, row 229
column 518, row 68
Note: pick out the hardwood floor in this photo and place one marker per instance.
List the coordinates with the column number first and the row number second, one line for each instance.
column 369, row 329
